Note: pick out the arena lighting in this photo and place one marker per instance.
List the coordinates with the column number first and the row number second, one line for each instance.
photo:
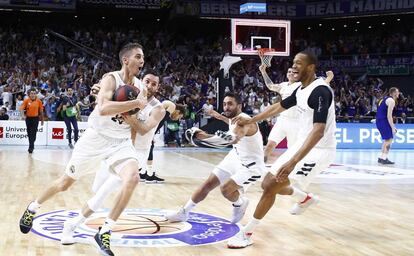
column 320, row 25
column 76, row 16
column 158, row 19
column 131, row 18
column 369, row 26
column 103, row 17
column 398, row 19
column 383, row 23
column 356, row 30
column 357, row 22
column 333, row 29
column 9, row 10
column 309, row 28
column 42, row 11
column 345, row 26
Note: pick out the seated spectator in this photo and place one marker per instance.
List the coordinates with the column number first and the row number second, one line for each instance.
column 3, row 114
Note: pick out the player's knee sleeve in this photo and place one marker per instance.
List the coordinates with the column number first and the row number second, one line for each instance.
column 110, row 185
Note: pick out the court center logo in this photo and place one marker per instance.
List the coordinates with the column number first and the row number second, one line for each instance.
column 140, row 228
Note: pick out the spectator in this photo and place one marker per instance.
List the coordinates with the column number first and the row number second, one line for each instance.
column 3, row 114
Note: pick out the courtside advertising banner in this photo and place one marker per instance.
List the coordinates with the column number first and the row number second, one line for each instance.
column 57, row 133
column 15, row 133
column 367, row 136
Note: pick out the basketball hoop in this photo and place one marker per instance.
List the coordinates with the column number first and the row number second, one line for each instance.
column 265, row 55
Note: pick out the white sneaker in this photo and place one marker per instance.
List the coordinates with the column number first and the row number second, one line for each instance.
column 179, row 216
column 239, row 211
column 67, row 233
column 240, row 240
column 300, row 208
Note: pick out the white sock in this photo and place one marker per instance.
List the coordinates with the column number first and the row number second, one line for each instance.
column 150, row 170
column 238, row 202
column 142, row 171
column 107, row 226
column 189, row 205
column 251, row 226
column 299, row 195
column 384, row 156
column 75, row 222
column 33, row 206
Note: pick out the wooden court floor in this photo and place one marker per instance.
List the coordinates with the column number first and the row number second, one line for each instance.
column 351, row 219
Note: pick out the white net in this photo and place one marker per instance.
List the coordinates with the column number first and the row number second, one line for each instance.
column 265, row 56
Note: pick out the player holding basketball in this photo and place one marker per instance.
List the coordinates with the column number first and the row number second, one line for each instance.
column 108, row 138
column 144, row 128
column 313, row 151
column 242, row 166
column 286, row 127
column 385, row 123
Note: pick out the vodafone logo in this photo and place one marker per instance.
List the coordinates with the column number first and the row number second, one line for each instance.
column 57, row 133
column 1, row 132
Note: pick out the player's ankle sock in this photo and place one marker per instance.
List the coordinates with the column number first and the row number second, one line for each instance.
column 107, row 226
column 238, row 202
column 33, row 206
column 189, row 205
column 77, row 220
column 150, row 170
column 251, row 226
column 384, row 156
column 299, row 195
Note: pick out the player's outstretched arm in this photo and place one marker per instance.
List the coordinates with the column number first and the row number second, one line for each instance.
column 108, row 107
column 270, row 111
column 217, row 116
column 269, row 84
column 329, row 76
column 157, row 114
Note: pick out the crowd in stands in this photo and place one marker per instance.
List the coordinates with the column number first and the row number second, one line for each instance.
column 361, row 44
column 188, row 68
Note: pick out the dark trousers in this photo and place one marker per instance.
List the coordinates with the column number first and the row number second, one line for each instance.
column 174, row 134
column 31, row 125
column 71, row 120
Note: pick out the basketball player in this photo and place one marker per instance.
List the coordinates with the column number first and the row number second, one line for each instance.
column 242, row 166
column 313, row 151
column 385, row 123
column 108, row 138
column 286, row 125
column 142, row 133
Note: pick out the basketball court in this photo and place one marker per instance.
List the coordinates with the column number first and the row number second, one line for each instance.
column 365, row 209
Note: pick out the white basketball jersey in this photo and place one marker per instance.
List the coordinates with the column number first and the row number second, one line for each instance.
column 112, row 126
column 285, row 91
column 144, row 141
column 249, row 148
column 305, row 115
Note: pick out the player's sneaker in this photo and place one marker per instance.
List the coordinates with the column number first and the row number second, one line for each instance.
column 26, row 221
column 240, row 240
column 143, row 176
column 154, row 179
column 387, row 161
column 179, row 216
column 239, row 211
column 103, row 243
column 299, row 208
column 67, row 233
column 380, row 160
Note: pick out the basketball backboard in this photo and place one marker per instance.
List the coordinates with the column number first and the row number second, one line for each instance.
column 249, row 34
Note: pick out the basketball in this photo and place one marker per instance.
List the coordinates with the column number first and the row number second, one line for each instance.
column 127, row 92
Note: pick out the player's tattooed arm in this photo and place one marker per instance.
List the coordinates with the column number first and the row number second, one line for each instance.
column 217, row 116
column 137, row 126
column 268, row 82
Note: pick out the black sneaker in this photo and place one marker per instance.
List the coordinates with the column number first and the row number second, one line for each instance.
column 103, row 242
column 26, row 221
column 154, row 179
column 387, row 161
column 143, row 177
column 380, row 160
column 71, row 145
column 30, row 150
